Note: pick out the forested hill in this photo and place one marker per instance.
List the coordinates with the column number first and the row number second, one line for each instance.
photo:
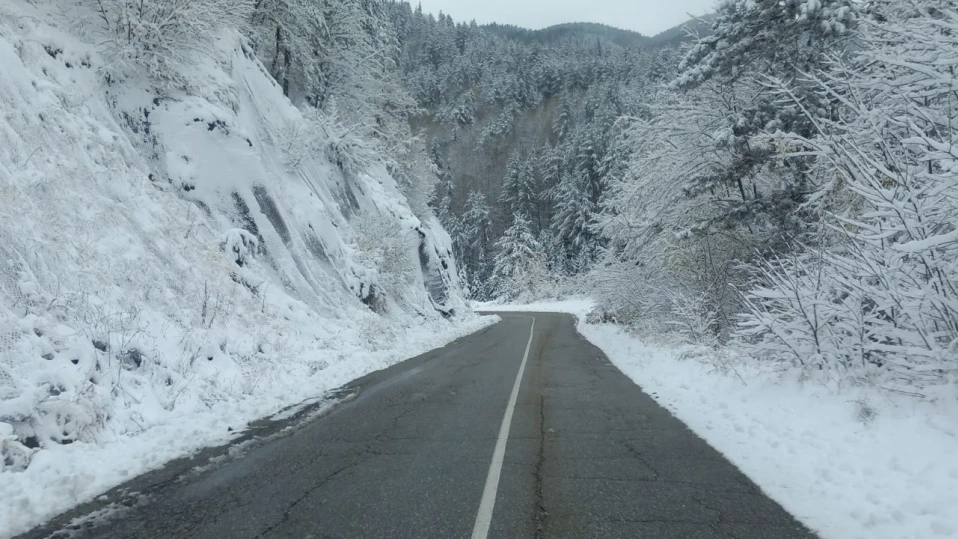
column 519, row 124
column 571, row 31
column 686, row 32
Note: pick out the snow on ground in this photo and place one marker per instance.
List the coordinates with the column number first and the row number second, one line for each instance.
column 577, row 306
column 63, row 476
column 850, row 464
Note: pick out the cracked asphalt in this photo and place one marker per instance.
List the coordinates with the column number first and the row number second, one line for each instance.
column 589, row 455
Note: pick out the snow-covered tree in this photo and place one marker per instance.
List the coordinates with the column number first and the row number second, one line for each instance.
column 386, row 246
column 883, row 286
column 572, row 223
column 475, row 238
column 289, row 37
column 519, row 190
column 750, row 42
column 520, row 263
column 766, row 36
column 167, row 37
column 562, row 125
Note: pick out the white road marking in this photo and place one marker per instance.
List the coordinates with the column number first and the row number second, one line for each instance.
column 484, row 517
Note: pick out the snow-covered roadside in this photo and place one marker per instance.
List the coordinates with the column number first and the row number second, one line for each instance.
column 63, row 476
column 855, row 464
column 577, row 306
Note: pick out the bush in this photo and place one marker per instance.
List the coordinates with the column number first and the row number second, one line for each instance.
column 164, row 36
column 386, row 245
column 242, row 244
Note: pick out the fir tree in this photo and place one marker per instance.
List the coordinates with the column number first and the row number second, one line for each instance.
column 520, row 263
column 475, row 239
column 574, row 214
column 519, row 190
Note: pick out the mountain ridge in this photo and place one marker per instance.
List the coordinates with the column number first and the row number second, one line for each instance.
column 603, row 32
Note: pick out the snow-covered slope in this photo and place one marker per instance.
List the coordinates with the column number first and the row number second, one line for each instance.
column 173, row 263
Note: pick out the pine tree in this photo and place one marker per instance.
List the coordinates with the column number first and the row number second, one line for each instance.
column 768, row 37
column 520, row 263
column 752, row 41
column 563, row 123
column 519, row 190
column 475, row 237
column 588, row 163
column 572, row 221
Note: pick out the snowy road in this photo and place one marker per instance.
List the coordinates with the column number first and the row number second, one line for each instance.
column 587, row 454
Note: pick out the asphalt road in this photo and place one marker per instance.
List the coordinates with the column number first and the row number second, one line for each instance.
column 588, row 454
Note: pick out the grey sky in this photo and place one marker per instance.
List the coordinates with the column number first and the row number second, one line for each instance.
column 646, row 16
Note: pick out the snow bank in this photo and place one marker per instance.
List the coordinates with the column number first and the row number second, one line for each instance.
column 856, row 464
column 168, row 272
column 577, row 306
column 60, row 477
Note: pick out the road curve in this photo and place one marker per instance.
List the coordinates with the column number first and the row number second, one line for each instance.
column 587, row 454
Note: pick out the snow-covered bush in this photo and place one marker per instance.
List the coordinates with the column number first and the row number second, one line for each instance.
column 14, row 456
column 323, row 133
column 385, row 244
column 792, row 308
column 656, row 300
column 878, row 298
column 165, row 36
column 59, row 393
column 242, row 245
column 417, row 177
column 693, row 317
column 627, row 292
column 347, row 150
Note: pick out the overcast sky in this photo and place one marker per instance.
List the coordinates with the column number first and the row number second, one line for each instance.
column 646, row 16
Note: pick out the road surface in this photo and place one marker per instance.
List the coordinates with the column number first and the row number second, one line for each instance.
column 417, row 453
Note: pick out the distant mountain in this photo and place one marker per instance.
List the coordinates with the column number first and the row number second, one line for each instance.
column 579, row 31
column 570, row 31
column 619, row 36
column 682, row 33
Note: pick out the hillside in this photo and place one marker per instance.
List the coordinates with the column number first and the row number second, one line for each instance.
column 180, row 255
column 591, row 32
column 576, row 31
column 683, row 33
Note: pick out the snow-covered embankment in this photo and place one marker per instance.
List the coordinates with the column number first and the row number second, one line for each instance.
column 174, row 264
